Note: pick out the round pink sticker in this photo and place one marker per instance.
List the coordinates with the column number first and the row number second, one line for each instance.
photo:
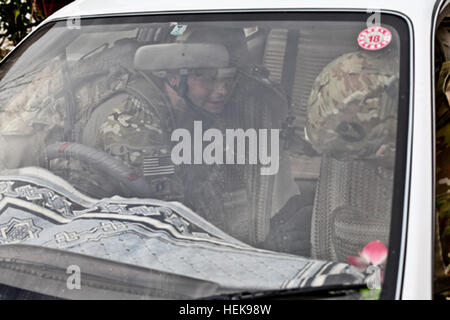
column 374, row 38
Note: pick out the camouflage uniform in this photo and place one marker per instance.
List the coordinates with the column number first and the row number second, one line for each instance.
column 345, row 120
column 443, row 167
column 442, row 187
column 36, row 115
column 131, row 130
column 236, row 198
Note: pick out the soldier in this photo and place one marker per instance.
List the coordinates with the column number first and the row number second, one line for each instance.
column 352, row 123
column 220, row 91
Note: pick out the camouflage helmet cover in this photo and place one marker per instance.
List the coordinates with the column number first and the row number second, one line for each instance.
column 232, row 38
column 352, row 109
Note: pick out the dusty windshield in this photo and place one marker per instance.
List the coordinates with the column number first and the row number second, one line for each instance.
column 174, row 143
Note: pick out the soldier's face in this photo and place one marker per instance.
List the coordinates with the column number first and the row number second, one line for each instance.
column 209, row 93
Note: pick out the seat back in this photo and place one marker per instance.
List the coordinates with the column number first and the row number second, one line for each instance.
column 352, row 207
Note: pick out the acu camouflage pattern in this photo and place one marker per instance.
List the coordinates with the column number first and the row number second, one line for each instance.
column 235, row 198
column 443, row 167
column 99, row 76
column 442, row 186
column 40, row 103
column 35, row 115
column 131, row 128
column 352, row 109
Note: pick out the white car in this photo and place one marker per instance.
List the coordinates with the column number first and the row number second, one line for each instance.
column 189, row 149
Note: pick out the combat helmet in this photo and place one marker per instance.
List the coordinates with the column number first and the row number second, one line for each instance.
column 214, row 53
column 352, row 108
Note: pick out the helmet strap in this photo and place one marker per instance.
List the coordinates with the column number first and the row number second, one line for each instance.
column 182, row 87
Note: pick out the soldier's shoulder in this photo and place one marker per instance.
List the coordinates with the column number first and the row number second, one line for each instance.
column 139, row 96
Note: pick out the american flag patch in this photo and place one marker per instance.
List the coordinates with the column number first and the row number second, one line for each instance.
column 154, row 166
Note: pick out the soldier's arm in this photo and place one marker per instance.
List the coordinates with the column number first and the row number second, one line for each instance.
column 131, row 131
column 126, row 129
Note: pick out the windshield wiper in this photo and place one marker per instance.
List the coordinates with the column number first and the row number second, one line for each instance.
column 337, row 291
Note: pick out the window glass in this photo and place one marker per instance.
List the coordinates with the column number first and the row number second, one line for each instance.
column 279, row 137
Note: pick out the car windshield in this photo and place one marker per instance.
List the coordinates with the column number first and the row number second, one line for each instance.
column 255, row 152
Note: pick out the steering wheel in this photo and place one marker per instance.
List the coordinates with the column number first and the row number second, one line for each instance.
column 104, row 163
